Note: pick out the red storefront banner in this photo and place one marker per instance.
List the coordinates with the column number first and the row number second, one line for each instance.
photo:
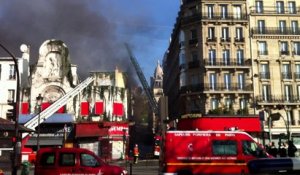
column 118, row 109
column 99, row 106
column 118, row 129
column 85, row 108
column 25, row 108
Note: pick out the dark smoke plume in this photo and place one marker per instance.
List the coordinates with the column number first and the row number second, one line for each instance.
column 90, row 37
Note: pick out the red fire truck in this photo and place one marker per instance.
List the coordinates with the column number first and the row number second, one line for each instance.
column 208, row 152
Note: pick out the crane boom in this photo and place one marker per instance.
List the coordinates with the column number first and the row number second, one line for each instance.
column 143, row 81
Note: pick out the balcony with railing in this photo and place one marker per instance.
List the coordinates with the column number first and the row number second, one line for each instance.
column 297, row 75
column 228, row 87
column 225, row 40
column 211, row 40
column 192, row 18
column 286, row 75
column 275, row 31
column 264, row 75
column 277, row 99
column 218, row 87
column 274, row 10
column 228, row 63
column 239, row 40
column 262, row 52
column 224, row 17
column 284, row 52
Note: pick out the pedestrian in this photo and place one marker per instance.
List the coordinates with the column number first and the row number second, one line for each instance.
column 136, row 153
column 291, row 149
column 282, row 150
column 273, row 151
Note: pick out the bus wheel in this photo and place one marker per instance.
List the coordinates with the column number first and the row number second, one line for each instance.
column 184, row 172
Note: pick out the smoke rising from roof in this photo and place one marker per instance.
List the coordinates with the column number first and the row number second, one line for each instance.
column 90, row 37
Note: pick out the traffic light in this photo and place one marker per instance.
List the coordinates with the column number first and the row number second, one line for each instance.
column 11, row 113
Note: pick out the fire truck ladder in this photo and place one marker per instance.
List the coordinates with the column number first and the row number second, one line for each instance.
column 45, row 114
column 142, row 78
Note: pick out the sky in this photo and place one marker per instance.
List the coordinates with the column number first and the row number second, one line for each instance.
column 94, row 30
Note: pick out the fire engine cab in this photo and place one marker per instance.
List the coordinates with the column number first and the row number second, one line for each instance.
column 208, row 152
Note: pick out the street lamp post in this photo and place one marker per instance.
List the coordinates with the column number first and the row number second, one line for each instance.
column 39, row 100
column 124, row 142
column 17, row 143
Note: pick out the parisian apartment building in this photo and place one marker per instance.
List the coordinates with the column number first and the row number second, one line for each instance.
column 236, row 58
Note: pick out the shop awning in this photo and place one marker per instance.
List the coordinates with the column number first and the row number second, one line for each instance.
column 247, row 124
column 55, row 118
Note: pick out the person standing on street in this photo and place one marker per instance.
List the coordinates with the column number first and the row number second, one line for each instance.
column 136, row 153
column 291, row 149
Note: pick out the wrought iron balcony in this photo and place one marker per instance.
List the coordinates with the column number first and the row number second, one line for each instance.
column 213, row 39
column 228, row 87
column 297, row 75
column 221, row 16
column 193, row 41
column 286, row 75
column 239, row 40
column 275, row 31
column 274, row 10
column 228, row 39
column 275, row 99
column 285, row 52
column 264, row 75
column 262, row 52
column 230, row 62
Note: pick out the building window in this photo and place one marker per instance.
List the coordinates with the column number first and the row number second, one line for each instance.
column 288, row 92
column 237, row 12
column 225, row 34
column 210, row 11
column 282, row 26
column 224, row 11
column 11, row 95
column 284, row 50
column 297, row 71
column 211, row 33
column 292, row 7
column 228, row 103
column 265, row 72
column 212, row 57
column 227, row 81
column 241, row 81
column 262, row 48
column 239, row 34
column 286, row 71
column 214, row 103
column 266, row 92
column 11, row 72
column 182, row 61
column 261, row 26
column 212, row 81
column 194, row 56
column 226, row 57
column 243, row 103
column 280, row 7
column 194, row 79
column 298, row 92
column 295, row 27
column 240, row 56
column 259, row 7
column 296, row 48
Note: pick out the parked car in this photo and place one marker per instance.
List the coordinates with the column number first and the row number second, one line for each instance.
column 59, row 161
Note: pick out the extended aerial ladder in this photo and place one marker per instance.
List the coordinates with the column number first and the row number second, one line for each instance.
column 143, row 80
column 45, row 114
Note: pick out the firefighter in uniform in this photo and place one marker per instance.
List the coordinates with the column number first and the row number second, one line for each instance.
column 136, row 153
